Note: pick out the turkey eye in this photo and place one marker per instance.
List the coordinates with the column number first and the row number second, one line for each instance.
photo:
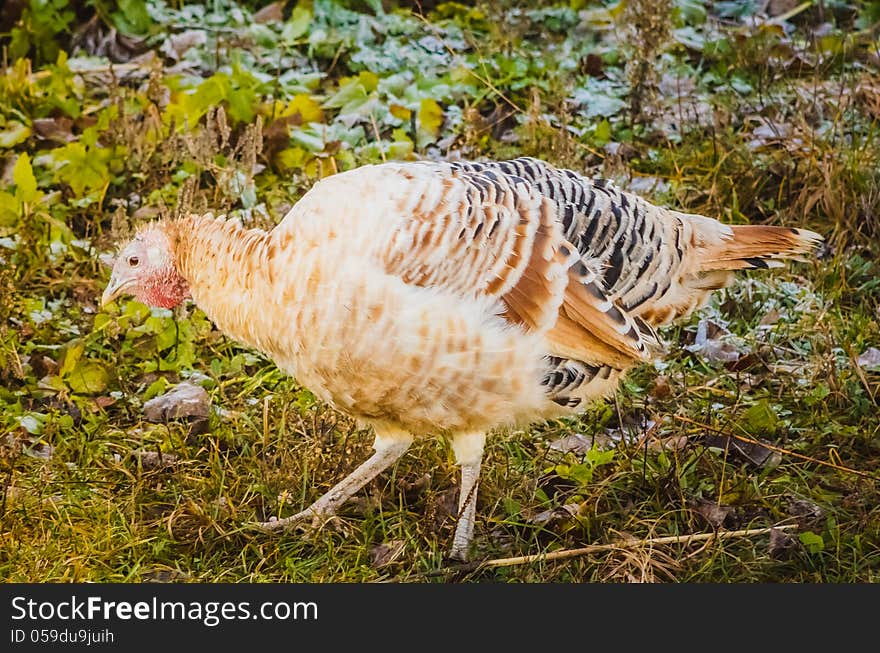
column 133, row 261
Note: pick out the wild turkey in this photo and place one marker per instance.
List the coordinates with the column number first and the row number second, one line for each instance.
column 449, row 298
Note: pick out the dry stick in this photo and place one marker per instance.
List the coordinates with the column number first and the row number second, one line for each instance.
column 378, row 137
column 603, row 548
column 860, row 373
column 775, row 448
column 484, row 80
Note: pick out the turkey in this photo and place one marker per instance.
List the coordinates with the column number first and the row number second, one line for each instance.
column 449, row 299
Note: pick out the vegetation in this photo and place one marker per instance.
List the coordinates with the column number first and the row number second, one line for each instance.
column 763, row 412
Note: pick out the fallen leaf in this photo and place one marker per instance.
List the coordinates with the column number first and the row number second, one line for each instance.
column 183, row 400
column 576, row 443
column 104, row 402
column 672, row 443
column 177, row 45
column 58, row 130
column 152, row 460
column 870, row 359
column 781, row 544
column 97, row 39
column 770, row 317
column 271, row 13
column 545, row 517
column 754, row 453
column 384, row 554
column 806, row 512
column 632, row 429
column 163, row 576
column 40, row 451
column 714, row 343
column 712, row 512
column 661, row 387
column 593, row 65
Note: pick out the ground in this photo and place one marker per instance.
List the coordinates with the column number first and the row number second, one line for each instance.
column 762, row 413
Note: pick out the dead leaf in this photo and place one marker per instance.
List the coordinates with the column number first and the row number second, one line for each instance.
column 593, row 65
column 57, row 130
column 545, row 517
column 770, row 132
column 578, row 443
column 713, row 513
column 382, row 555
column 163, row 576
column 41, row 366
column 183, row 400
column 633, row 427
column 96, row 39
column 770, row 317
column 623, row 151
column 647, row 185
column 145, row 213
column 177, row 45
column 40, row 451
column 104, row 402
column 672, row 443
column 416, row 487
column 714, row 343
column 661, row 387
column 271, row 13
column 442, row 506
column 152, row 460
column 869, row 360
column 777, row 7
column 754, row 453
column 781, row 544
column 806, row 512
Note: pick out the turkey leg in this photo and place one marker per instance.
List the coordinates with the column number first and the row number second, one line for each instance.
column 468, row 449
column 389, row 447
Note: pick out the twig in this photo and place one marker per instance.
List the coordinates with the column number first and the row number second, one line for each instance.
column 860, row 373
column 773, row 447
column 603, row 548
column 378, row 137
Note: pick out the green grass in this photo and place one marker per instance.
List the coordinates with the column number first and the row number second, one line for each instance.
column 82, row 499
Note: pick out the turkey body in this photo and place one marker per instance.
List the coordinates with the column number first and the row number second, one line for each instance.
column 455, row 298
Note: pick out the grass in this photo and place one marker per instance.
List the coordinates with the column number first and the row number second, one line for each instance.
column 776, row 125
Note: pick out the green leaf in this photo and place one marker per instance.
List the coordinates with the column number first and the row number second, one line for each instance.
column 72, row 355
column 350, row 96
column 24, row 180
column 760, row 419
column 430, row 119
column 602, row 133
column 298, row 24
column 156, row 388
column 581, row 473
column 10, row 208
column 32, row 422
column 817, row 394
column 812, row 541
column 83, row 169
column 15, row 133
column 597, row 457
column 132, row 17
column 306, row 107
column 88, row 377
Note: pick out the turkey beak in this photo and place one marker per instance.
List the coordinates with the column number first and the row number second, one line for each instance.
column 115, row 288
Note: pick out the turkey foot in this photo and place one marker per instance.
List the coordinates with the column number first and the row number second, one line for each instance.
column 388, row 449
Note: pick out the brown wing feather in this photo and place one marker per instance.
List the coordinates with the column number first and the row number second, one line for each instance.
column 500, row 237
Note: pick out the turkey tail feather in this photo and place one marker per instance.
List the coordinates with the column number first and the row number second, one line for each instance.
column 759, row 247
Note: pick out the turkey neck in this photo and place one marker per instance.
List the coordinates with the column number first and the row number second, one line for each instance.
column 229, row 274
